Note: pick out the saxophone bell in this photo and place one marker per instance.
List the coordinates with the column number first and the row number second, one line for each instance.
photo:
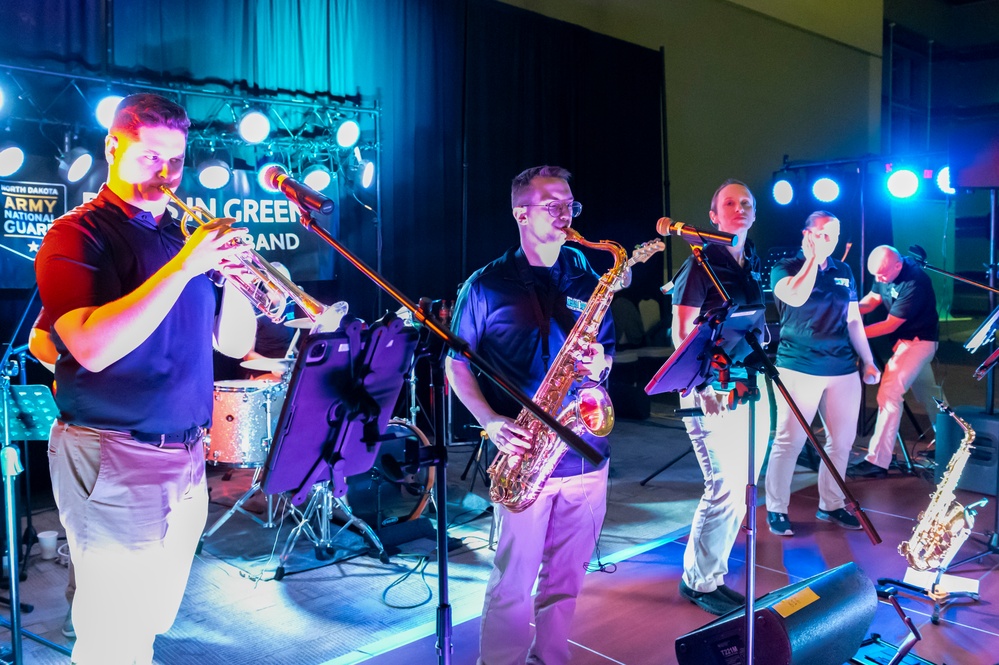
column 267, row 288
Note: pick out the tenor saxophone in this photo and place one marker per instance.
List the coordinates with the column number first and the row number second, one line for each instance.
column 516, row 481
column 945, row 524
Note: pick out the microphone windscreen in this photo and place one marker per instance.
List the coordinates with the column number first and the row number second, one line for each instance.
column 271, row 176
column 662, row 226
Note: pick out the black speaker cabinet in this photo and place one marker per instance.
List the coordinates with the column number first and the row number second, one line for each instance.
column 979, row 474
column 818, row 621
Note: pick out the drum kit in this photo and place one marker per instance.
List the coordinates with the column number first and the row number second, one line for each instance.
column 244, row 419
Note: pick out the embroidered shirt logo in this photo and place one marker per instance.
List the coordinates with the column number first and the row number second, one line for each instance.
column 575, row 304
column 893, row 291
column 842, row 281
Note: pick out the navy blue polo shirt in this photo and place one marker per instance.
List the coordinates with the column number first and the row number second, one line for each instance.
column 692, row 287
column 497, row 313
column 95, row 254
column 910, row 296
column 814, row 338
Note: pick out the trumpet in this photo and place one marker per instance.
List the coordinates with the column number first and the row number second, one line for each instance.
column 269, row 289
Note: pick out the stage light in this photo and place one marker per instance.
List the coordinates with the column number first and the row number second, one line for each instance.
column 318, row 177
column 825, row 189
column 106, row 108
column 903, row 183
column 254, row 127
column 214, row 174
column 783, row 191
column 75, row 164
column 11, row 159
column 367, row 174
column 348, row 133
column 943, row 181
column 262, row 169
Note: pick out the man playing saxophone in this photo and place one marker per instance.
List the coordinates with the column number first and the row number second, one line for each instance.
column 134, row 318
column 516, row 313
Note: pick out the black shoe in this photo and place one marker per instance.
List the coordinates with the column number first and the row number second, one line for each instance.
column 732, row 595
column 865, row 469
column 713, row 602
column 779, row 524
column 839, row 517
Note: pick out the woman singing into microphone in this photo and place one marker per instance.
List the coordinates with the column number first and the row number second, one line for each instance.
column 720, row 436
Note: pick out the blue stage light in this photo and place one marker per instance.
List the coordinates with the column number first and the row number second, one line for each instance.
column 317, row 177
column 254, row 127
column 11, row 159
column 825, row 189
column 943, row 181
column 214, row 174
column 106, row 108
column 348, row 133
column 783, row 191
column 903, row 183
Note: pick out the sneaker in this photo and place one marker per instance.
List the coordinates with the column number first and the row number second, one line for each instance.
column 732, row 595
column 865, row 469
column 67, row 625
column 713, row 602
column 779, row 524
column 839, row 517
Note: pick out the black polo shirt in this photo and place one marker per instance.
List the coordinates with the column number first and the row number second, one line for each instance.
column 497, row 313
column 814, row 338
column 692, row 287
column 910, row 296
column 95, row 254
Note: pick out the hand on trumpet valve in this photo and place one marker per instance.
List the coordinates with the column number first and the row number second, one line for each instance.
column 214, row 245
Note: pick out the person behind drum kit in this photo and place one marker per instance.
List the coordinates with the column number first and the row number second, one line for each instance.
column 501, row 310
column 913, row 327
column 134, row 317
column 720, row 435
column 821, row 339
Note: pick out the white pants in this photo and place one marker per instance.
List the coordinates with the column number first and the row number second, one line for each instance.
column 837, row 401
column 133, row 514
column 910, row 358
column 556, row 536
column 721, row 445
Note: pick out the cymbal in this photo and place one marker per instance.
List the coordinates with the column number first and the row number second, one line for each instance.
column 276, row 365
column 305, row 323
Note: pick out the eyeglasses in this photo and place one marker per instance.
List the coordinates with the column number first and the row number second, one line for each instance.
column 556, row 208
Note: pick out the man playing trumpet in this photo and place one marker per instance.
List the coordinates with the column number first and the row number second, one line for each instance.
column 134, row 317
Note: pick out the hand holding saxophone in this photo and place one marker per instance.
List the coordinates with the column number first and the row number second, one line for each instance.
column 592, row 364
column 508, row 437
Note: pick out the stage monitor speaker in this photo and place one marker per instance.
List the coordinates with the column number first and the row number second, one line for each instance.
column 979, row 474
column 818, row 621
column 974, row 153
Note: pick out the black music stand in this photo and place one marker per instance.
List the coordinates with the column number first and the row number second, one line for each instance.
column 340, row 398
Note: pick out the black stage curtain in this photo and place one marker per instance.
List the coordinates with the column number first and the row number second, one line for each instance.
column 471, row 91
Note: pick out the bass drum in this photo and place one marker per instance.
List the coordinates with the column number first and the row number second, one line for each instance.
column 397, row 488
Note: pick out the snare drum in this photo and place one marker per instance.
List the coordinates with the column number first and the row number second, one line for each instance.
column 244, row 416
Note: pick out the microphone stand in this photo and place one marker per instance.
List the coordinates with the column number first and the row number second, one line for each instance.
column 438, row 452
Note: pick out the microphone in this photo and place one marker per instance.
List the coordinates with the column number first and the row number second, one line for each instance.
column 304, row 196
column 667, row 227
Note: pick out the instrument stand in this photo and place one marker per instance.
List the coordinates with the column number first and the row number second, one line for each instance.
column 321, row 507
column 941, row 598
column 478, row 462
column 238, row 507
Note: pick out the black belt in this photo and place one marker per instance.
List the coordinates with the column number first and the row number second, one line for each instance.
column 184, row 439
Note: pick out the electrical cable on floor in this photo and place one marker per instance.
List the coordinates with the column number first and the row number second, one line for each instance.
column 421, row 568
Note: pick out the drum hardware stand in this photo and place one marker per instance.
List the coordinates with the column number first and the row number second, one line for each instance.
column 27, row 411
column 238, row 507
column 437, row 454
column 321, row 506
column 699, row 358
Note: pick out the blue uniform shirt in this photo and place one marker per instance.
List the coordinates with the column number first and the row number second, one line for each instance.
column 497, row 314
column 814, row 338
column 910, row 296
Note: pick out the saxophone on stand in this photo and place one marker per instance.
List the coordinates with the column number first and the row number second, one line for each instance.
column 516, row 481
column 945, row 524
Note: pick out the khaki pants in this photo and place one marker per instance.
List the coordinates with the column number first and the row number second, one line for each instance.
column 133, row 514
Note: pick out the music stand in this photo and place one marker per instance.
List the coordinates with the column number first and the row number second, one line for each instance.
column 340, row 398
